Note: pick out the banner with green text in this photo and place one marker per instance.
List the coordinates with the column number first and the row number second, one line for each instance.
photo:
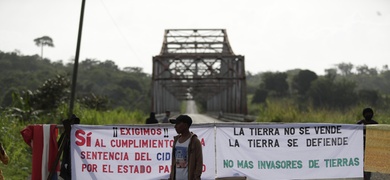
column 132, row 151
column 289, row 151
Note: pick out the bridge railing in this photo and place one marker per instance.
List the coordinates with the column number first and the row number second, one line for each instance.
column 232, row 117
column 161, row 116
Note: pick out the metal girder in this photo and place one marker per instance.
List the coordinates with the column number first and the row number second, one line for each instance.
column 199, row 64
column 185, row 41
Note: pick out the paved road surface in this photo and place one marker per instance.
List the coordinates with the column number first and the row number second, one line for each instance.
column 198, row 118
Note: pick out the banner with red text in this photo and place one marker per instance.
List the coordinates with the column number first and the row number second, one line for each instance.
column 289, row 151
column 132, row 152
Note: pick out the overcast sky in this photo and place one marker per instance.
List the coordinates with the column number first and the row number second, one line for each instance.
column 273, row 35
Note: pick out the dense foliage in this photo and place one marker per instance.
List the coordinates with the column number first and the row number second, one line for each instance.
column 338, row 89
column 44, row 85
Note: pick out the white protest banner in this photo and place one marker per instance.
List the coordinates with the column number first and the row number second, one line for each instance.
column 132, row 151
column 289, row 151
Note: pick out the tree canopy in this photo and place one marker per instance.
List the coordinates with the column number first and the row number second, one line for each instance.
column 43, row 41
column 341, row 87
column 100, row 85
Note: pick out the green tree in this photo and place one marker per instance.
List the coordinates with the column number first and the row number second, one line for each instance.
column 326, row 93
column 21, row 106
column 369, row 96
column 252, row 82
column 365, row 70
column 133, row 69
column 331, row 73
column 92, row 101
column 302, row 81
column 53, row 93
column 28, row 105
column 345, row 68
column 43, row 41
column 260, row 96
column 276, row 82
column 385, row 79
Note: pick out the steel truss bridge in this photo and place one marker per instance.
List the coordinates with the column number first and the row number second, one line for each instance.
column 198, row 64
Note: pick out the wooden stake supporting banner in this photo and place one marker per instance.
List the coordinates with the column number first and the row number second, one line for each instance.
column 64, row 143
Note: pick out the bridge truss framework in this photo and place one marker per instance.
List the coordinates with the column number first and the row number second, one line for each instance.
column 198, row 64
